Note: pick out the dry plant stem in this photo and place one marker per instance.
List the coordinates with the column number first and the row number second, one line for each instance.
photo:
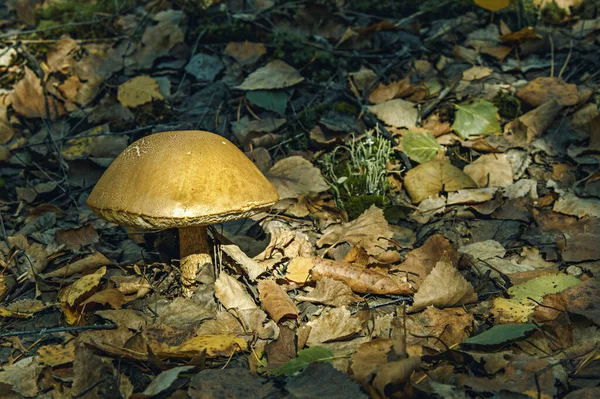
column 194, row 252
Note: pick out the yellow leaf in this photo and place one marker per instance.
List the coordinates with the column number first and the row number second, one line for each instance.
column 138, row 91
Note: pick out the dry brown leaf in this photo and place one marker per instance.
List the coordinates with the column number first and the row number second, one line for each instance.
column 476, row 73
column 59, row 56
column 434, row 176
column 246, row 53
column 420, row 261
column 77, row 238
column 395, row 373
column 232, row 294
column 75, row 294
column 532, row 125
column 330, row 292
column 542, row 90
column 491, row 170
column 110, row 296
column 397, row 113
column 295, row 175
column 250, row 266
column 215, row 345
column 90, row 262
column 28, row 99
column 396, row 89
column 361, row 80
column 366, row 359
column 451, row 326
column 139, row 91
column 276, row 301
column 369, row 231
column 22, row 377
column 360, row 279
column 444, row 287
column 298, row 270
column 275, row 75
column 333, row 325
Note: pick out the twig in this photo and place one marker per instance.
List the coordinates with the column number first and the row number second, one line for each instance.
column 59, row 329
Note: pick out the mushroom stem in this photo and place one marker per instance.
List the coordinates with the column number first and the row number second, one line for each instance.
column 193, row 240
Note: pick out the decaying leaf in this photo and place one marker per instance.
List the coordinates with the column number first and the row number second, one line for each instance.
column 491, row 170
column 360, row 279
column 542, row 90
column 276, row 301
column 75, row 294
column 369, row 231
column 246, row 53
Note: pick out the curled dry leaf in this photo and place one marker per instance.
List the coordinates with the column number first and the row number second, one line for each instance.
column 74, row 295
column 434, row 176
column 444, row 287
column 360, row 279
column 295, row 175
column 250, row 266
column 276, row 301
column 532, row 125
column 90, row 262
column 369, row 231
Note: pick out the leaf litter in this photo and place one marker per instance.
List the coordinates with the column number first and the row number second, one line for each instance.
column 463, row 261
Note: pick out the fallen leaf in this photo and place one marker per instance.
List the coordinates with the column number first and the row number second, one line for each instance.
column 275, row 301
column 246, row 53
column 477, row 72
column 526, row 296
column 295, row 175
column 476, row 119
column 541, row 90
column 360, row 279
column 369, row 231
column 139, row 91
column 493, row 5
column 28, row 99
column 396, row 113
column 332, row 325
column 330, row 292
column 444, row 287
column 491, row 170
column 275, row 75
column 434, row 176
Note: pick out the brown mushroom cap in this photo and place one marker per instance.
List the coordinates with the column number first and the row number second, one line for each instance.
column 180, row 179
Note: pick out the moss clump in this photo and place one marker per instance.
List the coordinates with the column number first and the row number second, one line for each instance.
column 67, row 12
column 357, row 174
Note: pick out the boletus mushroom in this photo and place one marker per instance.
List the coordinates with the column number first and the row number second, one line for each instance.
column 185, row 180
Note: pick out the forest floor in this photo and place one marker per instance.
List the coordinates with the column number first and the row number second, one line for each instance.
column 437, row 232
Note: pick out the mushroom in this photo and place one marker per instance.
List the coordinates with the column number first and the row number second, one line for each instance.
column 185, row 180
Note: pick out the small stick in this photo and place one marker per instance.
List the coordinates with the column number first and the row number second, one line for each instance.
column 59, row 329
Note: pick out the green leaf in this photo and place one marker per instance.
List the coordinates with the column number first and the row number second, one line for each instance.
column 420, row 147
column 271, row 100
column 500, row 334
column 305, row 357
column 476, row 119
